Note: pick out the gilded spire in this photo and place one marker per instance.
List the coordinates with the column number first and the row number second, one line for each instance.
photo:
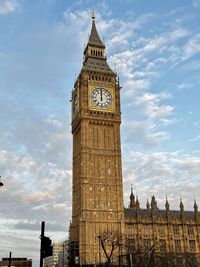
column 94, row 39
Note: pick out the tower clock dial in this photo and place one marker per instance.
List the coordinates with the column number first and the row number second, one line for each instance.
column 101, row 97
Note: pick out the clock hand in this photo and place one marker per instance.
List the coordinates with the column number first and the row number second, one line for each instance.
column 101, row 95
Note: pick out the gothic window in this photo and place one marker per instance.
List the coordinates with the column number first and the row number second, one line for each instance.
column 177, row 243
column 162, row 261
column 146, row 230
column 131, row 245
column 179, row 261
column 147, row 244
column 130, row 229
column 176, row 230
column 190, row 230
column 162, row 245
column 192, row 245
column 161, row 230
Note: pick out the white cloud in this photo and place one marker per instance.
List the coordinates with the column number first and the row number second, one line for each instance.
column 192, row 47
column 164, row 41
column 197, row 138
column 153, row 109
column 143, row 133
column 196, row 124
column 196, row 3
column 162, row 173
column 7, row 6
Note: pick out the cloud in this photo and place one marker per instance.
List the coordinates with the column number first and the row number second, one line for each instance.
column 162, row 173
column 151, row 104
column 192, row 47
column 7, row 6
column 196, row 124
column 142, row 134
column 196, row 3
column 197, row 138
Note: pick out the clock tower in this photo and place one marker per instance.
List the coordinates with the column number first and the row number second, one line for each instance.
column 97, row 191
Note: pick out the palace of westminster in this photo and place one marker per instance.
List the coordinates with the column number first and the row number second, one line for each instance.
column 161, row 237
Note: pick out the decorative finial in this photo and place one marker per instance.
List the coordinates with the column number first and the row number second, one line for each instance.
column 93, row 14
column 181, row 204
column 148, row 205
column 131, row 188
column 132, row 198
column 195, row 205
column 167, row 204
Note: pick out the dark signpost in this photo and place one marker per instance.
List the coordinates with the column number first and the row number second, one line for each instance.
column 45, row 245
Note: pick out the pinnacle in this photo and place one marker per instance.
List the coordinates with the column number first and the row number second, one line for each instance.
column 94, row 38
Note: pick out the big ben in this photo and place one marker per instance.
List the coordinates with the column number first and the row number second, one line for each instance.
column 97, row 191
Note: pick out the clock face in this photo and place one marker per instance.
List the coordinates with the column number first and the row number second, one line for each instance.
column 102, row 98
column 75, row 104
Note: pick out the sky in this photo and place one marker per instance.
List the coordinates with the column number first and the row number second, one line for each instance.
column 154, row 46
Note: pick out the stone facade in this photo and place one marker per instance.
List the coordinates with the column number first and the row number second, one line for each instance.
column 97, row 202
column 169, row 233
column 97, row 190
column 16, row 262
column 53, row 261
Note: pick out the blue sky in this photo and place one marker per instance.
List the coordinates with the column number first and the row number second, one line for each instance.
column 154, row 46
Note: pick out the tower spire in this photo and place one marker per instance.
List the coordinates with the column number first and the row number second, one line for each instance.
column 95, row 51
column 93, row 14
column 94, row 39
column 132, row 199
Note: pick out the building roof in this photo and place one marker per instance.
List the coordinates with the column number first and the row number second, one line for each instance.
column 96, row 64
column 94, row 39
column 132, row 212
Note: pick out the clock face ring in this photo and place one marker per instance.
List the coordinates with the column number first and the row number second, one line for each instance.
column 101, row 97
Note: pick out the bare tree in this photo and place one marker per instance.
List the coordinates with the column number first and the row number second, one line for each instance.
column 110, row 242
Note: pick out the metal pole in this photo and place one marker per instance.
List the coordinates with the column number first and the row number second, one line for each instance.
column 41, row 237
column 9, row 262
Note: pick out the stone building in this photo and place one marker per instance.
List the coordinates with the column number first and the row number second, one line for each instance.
column 16, row 262
column 53, row 261
column 157, row 236
column 169, row 235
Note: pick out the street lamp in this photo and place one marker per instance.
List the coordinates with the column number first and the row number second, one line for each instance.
column 1, row 184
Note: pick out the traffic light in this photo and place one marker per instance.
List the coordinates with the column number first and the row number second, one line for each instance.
column 46, row 247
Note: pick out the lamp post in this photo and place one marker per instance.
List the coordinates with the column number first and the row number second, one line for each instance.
column 1, row 184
